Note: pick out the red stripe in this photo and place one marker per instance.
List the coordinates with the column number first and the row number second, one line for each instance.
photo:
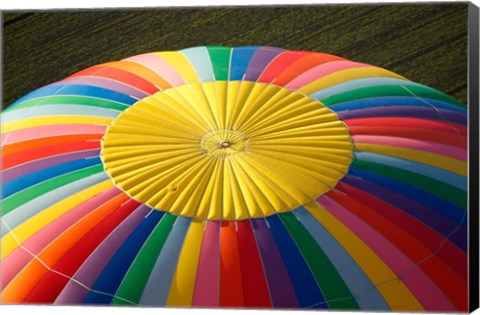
column 47, row 151
column 254, row 281
column 231, row 287
column 280, row 63
column 50, row 286
column 120, row 75
column 301, row 65
column 444, row 277
column 407, row 122
column 450, row 138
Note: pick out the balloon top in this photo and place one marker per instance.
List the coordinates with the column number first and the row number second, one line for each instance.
column 234, row 150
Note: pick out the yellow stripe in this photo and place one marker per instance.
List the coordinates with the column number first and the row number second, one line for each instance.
column 183, row 282
column 54, row 120
column 395, row 293
column 437, row 160
column 24, row 231
column 180, row 62
column 346, row 75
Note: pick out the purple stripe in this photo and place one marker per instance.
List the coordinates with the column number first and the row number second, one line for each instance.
column 24, row 169
column 107, row 84
column 73, row 293
column 406, row 111
column 260, row 60
column 279, row 283
column 422, row 213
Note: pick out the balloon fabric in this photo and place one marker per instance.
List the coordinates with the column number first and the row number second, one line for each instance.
column 245, row 177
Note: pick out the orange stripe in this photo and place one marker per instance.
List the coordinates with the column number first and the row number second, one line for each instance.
column 119, row 75
column 41, row 142
column 231, row 286
column 140, row 71
column 302, row 65
column 18, row 289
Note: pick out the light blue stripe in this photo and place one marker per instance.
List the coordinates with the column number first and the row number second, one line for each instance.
column 358, row 84
column 364, row 291
column 27, row 210
column 58, row 110
column 439, row 174
column 200, row 59
column 158, row 284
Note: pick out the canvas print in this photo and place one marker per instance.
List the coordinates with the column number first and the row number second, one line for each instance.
column 244, row 176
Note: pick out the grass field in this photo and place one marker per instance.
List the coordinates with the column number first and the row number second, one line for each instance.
column 426, row 43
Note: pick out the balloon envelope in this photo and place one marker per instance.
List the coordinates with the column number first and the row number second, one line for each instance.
column 246, row 177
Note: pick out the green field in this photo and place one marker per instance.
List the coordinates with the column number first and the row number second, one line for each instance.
column 426, row 43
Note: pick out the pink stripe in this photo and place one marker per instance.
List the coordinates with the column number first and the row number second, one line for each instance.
column 438, row 148
column 19, row 258
column 50, row 131
column 429, row 295
column 320, row 71
column 207, row 284
column 160, row 66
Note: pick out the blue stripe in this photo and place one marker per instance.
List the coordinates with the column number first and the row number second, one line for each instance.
column 240, row 59
column 439, row 174
column 366, row 294
column 11, row 187
column 441, row 206
column 305, row 285
column 113, row 274
column 78, row 89
column 393, row 101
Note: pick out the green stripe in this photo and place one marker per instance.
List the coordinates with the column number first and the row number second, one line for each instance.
column 336, row 293
column 69, row 100
column 430, row 185
column 24, row 196
column 220, row 57
column 136, row 278
column 390, row 90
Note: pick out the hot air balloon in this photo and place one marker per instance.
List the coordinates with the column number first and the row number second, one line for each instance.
column 246, row 177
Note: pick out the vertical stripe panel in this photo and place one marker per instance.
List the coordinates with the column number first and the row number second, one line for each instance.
column 207, row 285
column 133, row 284
column 279, row 283
column 255, row 287
column 231, row 286
column 183, row 282
column 158, row 284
